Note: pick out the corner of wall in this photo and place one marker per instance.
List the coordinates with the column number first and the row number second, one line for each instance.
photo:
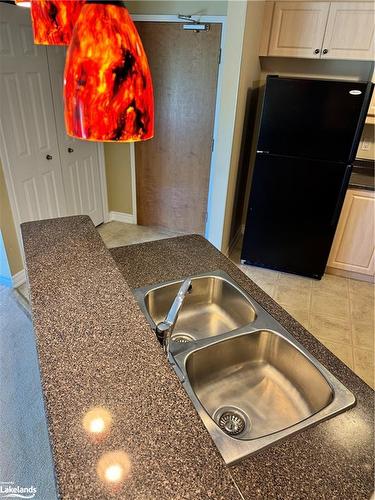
column 8, row 229
column 119, row 177
column 249, row 78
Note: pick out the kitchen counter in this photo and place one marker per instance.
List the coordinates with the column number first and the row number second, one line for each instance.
column 362, row 176
column 96, row 349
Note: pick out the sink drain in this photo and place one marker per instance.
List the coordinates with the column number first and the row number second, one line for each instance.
column 231, row 420
column 182, row 338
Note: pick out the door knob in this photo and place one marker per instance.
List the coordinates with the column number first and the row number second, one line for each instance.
column 49, row 157
column 70, row 150
column 325, row 51
column 316, row 51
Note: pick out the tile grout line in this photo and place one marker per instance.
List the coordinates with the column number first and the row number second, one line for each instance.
column 351, row 323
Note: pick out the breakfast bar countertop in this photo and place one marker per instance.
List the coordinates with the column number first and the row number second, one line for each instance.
column 98, row 353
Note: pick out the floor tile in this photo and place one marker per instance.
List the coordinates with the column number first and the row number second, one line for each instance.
column 261, row 277
column 363, row 334
column 324, row 304
column 115, row 234
column 362, row 288
column 362, row 308
column 342, row 351
column 297, row 282
column 331, row 285
column 330, row 328
column 300, row 315
column 293, row 296
column 364, row 365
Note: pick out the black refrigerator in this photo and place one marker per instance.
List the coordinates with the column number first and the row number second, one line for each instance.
column 308, row 138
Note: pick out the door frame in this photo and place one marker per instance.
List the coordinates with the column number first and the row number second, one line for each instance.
column 175, row 19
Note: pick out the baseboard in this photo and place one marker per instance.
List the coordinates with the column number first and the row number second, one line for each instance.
column 122, row 217
column 19, row 278
column 350, row 274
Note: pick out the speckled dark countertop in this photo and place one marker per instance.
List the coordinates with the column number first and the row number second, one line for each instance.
column 96, row 349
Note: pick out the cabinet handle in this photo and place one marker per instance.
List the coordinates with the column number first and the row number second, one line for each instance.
column 325, row 51
column 49, row 157
column 70, row 150
column 316, row 51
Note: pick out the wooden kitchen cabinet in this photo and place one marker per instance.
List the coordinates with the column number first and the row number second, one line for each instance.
column 298, row 29
column 350, row 31
column 319, row 30
column 370, row 118
column 353, row 245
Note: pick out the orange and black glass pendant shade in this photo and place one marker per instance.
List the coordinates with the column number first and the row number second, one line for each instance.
column 54, row 20
column 108, row 92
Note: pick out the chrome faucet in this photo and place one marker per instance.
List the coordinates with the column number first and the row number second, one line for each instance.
column 165, row 328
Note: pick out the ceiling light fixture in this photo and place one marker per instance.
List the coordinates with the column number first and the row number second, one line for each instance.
column 108, row 94
column 53, row 21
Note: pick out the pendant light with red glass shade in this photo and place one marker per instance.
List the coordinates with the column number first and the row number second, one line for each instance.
column 108, row 94
column 53, row 20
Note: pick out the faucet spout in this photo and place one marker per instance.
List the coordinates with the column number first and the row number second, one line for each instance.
column 165, row 328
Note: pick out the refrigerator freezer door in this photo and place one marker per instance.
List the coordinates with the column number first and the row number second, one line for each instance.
column 313, row 118
column 293, row 213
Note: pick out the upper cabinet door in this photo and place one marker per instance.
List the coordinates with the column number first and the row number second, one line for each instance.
column 350, row 31
column 298, row 29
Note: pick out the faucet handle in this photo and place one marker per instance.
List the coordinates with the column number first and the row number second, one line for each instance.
column 165, row 328
column 173, row 312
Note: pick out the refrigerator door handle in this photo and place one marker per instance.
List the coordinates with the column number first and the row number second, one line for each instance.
column 342, row 193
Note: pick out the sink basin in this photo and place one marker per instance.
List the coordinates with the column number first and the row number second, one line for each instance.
column 214, row 306
column 259, row 378
column 251, row 382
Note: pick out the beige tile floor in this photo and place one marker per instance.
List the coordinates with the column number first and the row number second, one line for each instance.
column 338, row 311
column 116, row 234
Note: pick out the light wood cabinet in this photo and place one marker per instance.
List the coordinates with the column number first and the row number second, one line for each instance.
column 353, row 246
column 298, row 29
column 370, row 118
column 350, row 31
column 319, row 30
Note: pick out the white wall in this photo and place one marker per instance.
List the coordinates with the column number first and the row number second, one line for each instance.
column 225, row 121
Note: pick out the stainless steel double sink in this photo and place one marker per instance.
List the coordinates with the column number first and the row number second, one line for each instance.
column 250, row 381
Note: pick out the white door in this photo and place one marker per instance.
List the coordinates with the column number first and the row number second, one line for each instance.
column 79, row 159
column 27, row 120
